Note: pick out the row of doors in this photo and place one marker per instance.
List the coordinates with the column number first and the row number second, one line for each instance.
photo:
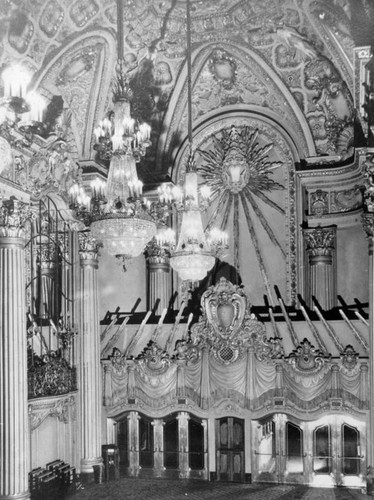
column 327, row 452
column 171, row 449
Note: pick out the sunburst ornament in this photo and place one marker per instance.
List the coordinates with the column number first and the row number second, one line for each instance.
column 239, row 172
column 237, row 162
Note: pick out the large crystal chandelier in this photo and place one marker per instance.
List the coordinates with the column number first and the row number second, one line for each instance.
column 194, row 254
column 117, row 214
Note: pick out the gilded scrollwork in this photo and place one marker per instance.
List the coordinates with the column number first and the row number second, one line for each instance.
column 349, row 361
column 306, row 359
column 153, row 360
column 227, row 327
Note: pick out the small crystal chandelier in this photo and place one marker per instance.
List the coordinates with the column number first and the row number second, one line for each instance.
column 21, row 111
column 117, row 214
column 194, row 254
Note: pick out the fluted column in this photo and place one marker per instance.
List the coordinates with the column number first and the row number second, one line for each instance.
column 368, row 223
column 320, row 245
column 89, row 363
column 159, row 277
column 14, row 429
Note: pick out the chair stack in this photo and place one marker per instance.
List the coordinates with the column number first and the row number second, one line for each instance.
column 53, row 481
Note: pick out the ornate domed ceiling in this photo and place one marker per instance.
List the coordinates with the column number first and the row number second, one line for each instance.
column 278, row 70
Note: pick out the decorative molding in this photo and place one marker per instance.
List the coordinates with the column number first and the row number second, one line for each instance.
column 63, row 408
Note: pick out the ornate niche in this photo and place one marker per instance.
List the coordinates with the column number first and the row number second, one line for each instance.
column 227, row 327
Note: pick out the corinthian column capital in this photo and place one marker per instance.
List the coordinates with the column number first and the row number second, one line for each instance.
column 13, row 217
column 88, row 247
column 320, row 241
column 157, row 254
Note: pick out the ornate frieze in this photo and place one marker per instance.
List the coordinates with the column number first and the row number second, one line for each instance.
column 321, row 202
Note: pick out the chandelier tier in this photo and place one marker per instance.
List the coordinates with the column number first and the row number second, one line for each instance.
column 117, row 214
column 21, row 110
column 194, row 254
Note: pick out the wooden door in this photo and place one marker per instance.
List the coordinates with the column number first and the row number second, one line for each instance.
column 230, row 449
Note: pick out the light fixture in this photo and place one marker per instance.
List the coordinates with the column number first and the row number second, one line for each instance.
column 194, row 254
column 118, row 215
column 21, row 111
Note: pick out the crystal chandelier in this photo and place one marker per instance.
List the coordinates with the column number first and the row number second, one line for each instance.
column 118, row 215
column 21, row 111
column 194, row 253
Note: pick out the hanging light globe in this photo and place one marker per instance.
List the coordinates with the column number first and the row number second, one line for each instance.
column 192, row 258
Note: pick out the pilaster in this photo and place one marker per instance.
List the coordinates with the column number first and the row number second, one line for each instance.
column 320, row 246
column 89, row 365
column 368, row 224
column 159, row 277
column 14, row 429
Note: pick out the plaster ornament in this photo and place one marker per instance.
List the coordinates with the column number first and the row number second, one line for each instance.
column 5, row 155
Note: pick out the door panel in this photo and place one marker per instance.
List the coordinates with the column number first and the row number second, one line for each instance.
column 230, row 449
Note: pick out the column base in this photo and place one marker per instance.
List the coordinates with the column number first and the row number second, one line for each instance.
column 92, row 471
column 87, row 464
column 19, row 496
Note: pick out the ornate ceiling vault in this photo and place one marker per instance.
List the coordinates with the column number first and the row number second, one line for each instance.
column 272, row 86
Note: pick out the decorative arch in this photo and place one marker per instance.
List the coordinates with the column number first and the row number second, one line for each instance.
column 81, row 73
column 288, row 112
column 259, row 215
